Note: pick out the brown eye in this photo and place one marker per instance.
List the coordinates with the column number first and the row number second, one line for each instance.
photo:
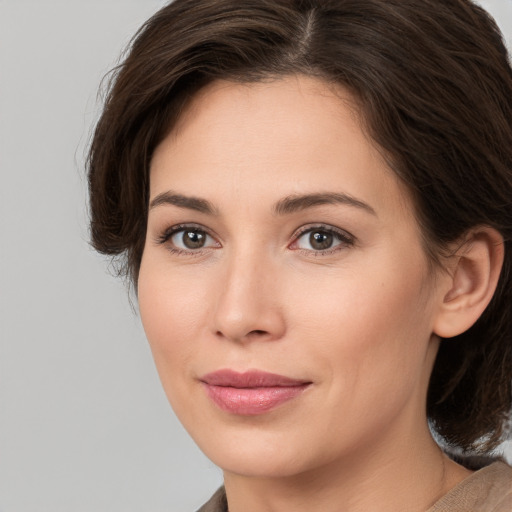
column 190, row 239
column 193, row 239
column 323, row 239
column 320, row 240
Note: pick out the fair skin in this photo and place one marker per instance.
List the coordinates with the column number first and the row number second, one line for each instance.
column 334, row 291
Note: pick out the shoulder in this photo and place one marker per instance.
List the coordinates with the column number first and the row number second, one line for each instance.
column 217, row 503
column 487, row 490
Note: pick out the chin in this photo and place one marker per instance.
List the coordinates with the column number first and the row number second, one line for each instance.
column 262, row 454
column 250, row 463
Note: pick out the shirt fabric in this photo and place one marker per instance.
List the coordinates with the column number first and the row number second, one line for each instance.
column 487, row 490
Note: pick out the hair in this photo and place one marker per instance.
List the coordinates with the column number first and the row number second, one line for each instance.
column 434, row 87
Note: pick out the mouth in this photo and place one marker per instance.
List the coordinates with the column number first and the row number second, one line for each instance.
column 251, row 393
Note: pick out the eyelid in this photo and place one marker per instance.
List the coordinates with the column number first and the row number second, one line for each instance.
column 168, row 233
column 346, row 238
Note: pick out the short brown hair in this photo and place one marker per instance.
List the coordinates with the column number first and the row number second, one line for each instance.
column 434, row 85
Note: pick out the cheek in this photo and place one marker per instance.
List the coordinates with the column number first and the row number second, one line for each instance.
column 172, row 310
column 371, row 326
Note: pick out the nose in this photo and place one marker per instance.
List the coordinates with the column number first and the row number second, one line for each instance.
column 248, row 304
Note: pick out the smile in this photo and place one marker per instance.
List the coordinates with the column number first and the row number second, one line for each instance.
column 251, row 393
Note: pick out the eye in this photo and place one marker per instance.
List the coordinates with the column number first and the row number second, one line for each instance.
column 322, row 239
column 187, row 239
column 190, row 239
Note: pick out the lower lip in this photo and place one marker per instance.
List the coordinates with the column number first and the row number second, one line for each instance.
column 252, row 401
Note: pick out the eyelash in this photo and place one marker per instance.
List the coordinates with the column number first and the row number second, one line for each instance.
column 173, row 230
column 345, row 239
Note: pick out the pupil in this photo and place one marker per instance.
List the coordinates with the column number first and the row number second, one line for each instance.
column 193, row 239
column 320, row 241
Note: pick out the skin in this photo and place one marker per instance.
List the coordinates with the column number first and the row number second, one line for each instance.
column 357, row 321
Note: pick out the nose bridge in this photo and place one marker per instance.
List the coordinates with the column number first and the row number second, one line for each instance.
column 248, row 300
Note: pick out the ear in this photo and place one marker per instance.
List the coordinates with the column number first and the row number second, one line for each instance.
column 468, row 286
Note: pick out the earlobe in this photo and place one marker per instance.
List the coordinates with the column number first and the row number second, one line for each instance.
column 471, row 282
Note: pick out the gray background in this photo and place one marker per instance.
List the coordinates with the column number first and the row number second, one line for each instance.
column 84, row 425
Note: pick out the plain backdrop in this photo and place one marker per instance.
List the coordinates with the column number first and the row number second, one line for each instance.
column 84, row 424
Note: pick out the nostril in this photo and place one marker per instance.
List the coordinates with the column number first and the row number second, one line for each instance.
column 257, row 332
column 254, row 333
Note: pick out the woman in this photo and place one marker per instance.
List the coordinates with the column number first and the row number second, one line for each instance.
column 313, row 200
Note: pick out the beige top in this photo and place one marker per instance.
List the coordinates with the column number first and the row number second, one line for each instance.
column 487, row 490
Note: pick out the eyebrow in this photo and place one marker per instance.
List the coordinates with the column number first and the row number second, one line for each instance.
column 181, row 201
column 294, row 203
column 285, row 206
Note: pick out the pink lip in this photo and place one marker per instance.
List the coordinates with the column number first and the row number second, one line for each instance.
column 251, row 393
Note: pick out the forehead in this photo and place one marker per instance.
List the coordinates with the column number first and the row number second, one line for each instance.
column 274, row 138
column 287, row 109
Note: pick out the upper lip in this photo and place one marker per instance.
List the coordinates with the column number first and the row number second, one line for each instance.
column 250, row 379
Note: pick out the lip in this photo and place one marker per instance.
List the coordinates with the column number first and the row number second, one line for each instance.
column 251, row 393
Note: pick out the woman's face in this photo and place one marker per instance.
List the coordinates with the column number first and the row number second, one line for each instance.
column 283, row 287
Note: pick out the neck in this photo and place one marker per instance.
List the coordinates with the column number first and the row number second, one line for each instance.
column 408, row 477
